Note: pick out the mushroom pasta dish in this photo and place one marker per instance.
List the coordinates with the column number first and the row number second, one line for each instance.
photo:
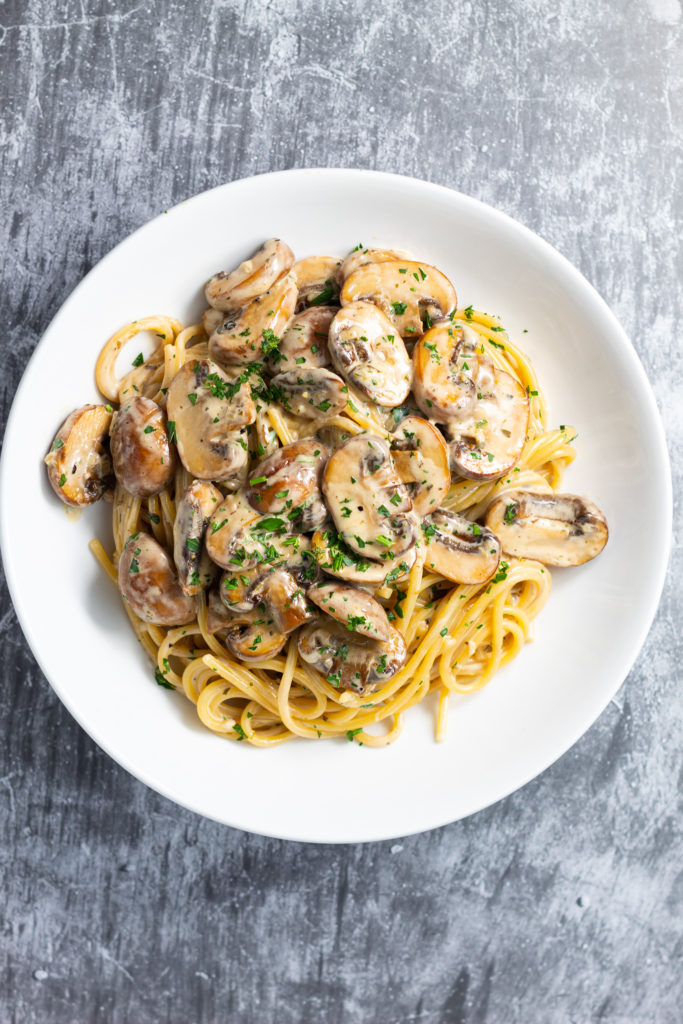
column 336, row 494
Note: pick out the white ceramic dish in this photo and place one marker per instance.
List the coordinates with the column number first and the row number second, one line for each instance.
column 587, row 636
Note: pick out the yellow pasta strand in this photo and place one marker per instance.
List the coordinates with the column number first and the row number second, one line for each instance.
column 457, row 636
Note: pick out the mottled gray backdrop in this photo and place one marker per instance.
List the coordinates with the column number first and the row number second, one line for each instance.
column 563, row 903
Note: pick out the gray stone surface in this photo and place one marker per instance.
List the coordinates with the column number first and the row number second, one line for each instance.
column 564, row 902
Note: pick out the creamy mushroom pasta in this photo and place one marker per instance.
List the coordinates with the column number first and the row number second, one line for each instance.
column 332, row 497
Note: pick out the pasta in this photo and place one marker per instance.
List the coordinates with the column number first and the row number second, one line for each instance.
column 455, row 635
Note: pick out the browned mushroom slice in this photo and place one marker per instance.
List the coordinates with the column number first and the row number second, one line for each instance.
column 420, row 455
column 78, row 463
column 207, row 410
column 369, row 504
column 284, row 600
column 316, row 278
column 485, row 410
column 287, row 483
column 312, row 392
column 195, row 509
column 458, row 549
column 149, row 583
column 353, row 607
column 359, row 257
column 556, row 529
column 239, row 538
column 304, row 343
column 236, row 588
column 449, row 372
column 144, row 460
column 250, row 333
column 351, row 662
column 368, row 351
column 256, row 642
column 230, row 290
column 406, row 292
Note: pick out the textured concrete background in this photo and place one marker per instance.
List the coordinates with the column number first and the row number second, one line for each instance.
column 563, row 903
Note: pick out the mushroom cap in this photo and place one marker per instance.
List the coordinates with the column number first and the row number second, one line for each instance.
column 316, row 277
column 403, row 290
column 359, row 257
column 78, row 463
column 288, row 483
column 337, row 559
column 369, row 353
column 231, row 289
column 458, row 549
column 247, row 334
column 195, row 569
column 304, row 343
column 485, row 410
column 144, row 459
column 149, row 583
column 208, row 410
column 556, row 529
column 367, row 500
column 421, row 457
column 353, row 607
column 311, row 392
column 351, row 661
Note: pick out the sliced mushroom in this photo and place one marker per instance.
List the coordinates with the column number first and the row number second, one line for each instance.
column 458, row 549
column 288, row 483
column 230, row 290
column 195, row 509
column 149, row 583
column 406, row 292
column 335, row 558
column 284, row 600
column 208, row 410
column 235, row 588
column 556, row 529
column 311, row 392
column 239, row 538
column 367, row 500
column 316, row 278
column 485, row 410
column 240, row 588
column 368, row 351
column 420, row 455
column 256, row 642
column 78, row 463
column 304, row 343
column 360, row 257
column 253, row 331
column 353, row 607
column 144, row 460
column 348, row 662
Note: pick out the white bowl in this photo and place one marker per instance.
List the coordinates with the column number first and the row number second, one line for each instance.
column 587, row 636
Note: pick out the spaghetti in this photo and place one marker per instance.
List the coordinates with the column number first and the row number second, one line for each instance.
column 457, row 636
